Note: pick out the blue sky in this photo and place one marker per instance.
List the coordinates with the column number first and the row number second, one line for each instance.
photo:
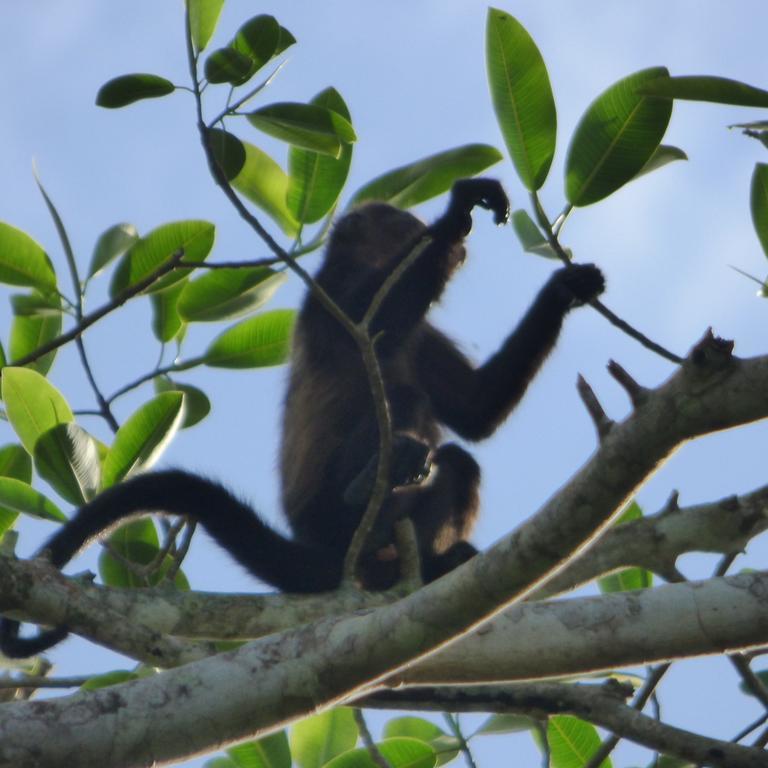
column 413, row 75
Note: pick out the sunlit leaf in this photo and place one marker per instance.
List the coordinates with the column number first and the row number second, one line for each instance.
column 759, row 204
column 126, row 89
column 196, row 403
column 112, row 243
column 429, row 177
column 143, row 437
column 572, row 742
column 500, row 724
column 108, row 678
column 399, row 753
column 265, row 184
column 522, row 97
column 67, row 457
column 20, row 497
column 316, row 180
column 166, row 320
column 23, row 261
column 259, row 341
column 33, row 405
column 15, row 462
column 226, row 293
column 664, row 155
column 270, row 752
column 305, row 125
column 31, row 332
column 616, row 137
column 147, row 255
column 720, row 90
column 203, row 17
column 317, row 739
column 531, row 237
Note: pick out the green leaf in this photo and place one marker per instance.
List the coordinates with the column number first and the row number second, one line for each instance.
column 316, row 180
column 147, row 255
column 15, row 462
column 111, row 244
column 305, row 125
column 114, row 677
column 664, row 155
column 626, row 580
column 196, row 403
column 36, row 304
column 318, row 739
column 759, row 204
column 522, row 97
column 412, row 727
column 226, row 65
column 67, row 457
column 23, row 261
column 447, row 747
column 399, row 753
column 286, row 40
column 225, row 293
column 616, row 137
column 265, row 184
column 166, row 321
column 572, row 742
column 720, row 90
column 258, row 39
column 143, row 437
column 270, row 752
column 33, row 405
column 416, row 182
column 29, row 333
column 124, row 90
column 531, row 237
column 203, row 18
column 257, row 342
column 18, row 496
column 228, row 151
column 500, row 724
column 137, row 542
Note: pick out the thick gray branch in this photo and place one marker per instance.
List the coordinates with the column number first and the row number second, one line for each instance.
column 209, row 702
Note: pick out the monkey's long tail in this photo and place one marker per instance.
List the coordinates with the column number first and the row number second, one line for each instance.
column 289, row 565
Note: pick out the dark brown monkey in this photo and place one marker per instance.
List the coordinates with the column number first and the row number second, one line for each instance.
column 330, row 437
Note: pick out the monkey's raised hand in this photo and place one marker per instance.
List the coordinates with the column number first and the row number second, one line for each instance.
column 575, row 285
column 456, row 222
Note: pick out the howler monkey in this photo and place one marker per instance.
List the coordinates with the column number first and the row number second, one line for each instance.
column 329, row 446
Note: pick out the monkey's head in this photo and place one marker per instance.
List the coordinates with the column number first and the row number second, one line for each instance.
column 375, row 237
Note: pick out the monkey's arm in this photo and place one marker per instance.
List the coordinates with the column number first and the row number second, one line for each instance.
column 475, row 401
column 424, row 282
column 289, row 565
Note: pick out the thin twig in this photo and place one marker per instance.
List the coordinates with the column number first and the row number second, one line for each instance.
column 69, row 255
column 368, row 742
column 36, row 681
column 643, row 695
column 612, row 317
column 93, row 317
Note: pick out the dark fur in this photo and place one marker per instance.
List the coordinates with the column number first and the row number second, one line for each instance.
column 329, row 451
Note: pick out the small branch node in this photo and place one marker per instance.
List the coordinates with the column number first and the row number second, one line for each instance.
column 672, row 504
column 712, row 351
column 596, row 412
column 637, row 394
